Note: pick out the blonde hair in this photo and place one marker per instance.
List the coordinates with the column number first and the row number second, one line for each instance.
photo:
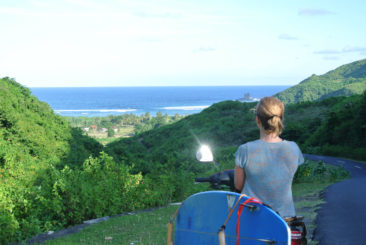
column 270, row 112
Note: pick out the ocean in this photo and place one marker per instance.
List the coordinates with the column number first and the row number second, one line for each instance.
column 104, row 101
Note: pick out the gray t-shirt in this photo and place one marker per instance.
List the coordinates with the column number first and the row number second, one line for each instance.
column 269, row 170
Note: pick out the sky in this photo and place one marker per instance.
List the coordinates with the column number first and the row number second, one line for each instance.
column 86, row 43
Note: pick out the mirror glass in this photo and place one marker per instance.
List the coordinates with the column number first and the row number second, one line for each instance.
column 204, row 154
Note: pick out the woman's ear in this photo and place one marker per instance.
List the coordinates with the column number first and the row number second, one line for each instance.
column 258, row 121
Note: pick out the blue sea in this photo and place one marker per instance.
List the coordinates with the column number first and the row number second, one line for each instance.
column 104, row 101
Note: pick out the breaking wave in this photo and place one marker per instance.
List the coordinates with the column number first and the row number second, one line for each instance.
column 186, row 108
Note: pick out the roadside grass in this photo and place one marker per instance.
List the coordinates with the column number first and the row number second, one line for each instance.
column 307, row 199
column 134, row 229
column 308, row 189
column 312, row 178
column 151, row 227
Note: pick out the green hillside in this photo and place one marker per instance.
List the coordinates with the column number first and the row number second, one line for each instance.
column 33, row 140
column 346, row 80
column 227, row 124
column 30, row 127
column 53, row 176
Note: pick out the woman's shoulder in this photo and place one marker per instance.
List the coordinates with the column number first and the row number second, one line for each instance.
column 292, row 146
column 290, row 143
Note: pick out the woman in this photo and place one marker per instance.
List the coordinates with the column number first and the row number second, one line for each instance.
column 265, row 167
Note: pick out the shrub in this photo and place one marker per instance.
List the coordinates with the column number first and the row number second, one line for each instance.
column 311, row 172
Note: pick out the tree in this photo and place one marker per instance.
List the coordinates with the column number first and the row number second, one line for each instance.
column 110, row 132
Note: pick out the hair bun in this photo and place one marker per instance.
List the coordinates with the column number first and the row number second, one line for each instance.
column 267, row 109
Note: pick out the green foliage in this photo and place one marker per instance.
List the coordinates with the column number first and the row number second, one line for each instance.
column 341, row 133
column 319, row 172
column 100, row 187
column 32, row 140
column 52, row 175
column 110, row 132
column 334, row 126
column 346, row 80
column 81, row 147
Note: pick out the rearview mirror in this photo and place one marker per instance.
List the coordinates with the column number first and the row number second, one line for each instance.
column 204, row 154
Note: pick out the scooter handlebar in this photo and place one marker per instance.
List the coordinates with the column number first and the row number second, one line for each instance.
column 202, row 179
column 225, row 177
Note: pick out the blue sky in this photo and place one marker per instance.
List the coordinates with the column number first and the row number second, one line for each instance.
column 182, row 43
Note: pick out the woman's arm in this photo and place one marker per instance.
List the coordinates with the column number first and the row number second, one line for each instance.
column 239, row 178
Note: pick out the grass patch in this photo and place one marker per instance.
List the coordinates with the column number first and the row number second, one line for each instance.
column 308, row 189
column 141, row 228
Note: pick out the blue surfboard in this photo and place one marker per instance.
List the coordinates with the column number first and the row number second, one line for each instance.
column 201, row 215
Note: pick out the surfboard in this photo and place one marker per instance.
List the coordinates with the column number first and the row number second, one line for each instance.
column 201, row 215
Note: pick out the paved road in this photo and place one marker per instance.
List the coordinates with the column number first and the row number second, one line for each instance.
column 342, row 219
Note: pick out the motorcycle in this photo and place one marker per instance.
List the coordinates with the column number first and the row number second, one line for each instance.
column 226, row 178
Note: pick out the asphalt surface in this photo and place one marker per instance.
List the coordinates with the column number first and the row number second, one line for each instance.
column 342, row 219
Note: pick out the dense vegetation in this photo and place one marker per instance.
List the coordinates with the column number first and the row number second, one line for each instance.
column 346, row 80
column 336, row 126
column 53, row 176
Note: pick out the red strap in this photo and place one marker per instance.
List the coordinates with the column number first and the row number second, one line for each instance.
column 249, row 200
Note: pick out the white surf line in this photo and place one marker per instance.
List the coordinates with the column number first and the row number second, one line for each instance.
column 357, row 167
column 186, row 108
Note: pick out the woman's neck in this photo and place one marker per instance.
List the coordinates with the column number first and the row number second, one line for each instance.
column 270, row 138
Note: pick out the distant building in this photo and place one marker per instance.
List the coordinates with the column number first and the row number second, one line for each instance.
column 115, row 129
column 86, row 129
column 93, row 127
column 103, row 130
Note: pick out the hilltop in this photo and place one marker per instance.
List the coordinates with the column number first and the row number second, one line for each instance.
column 346, row 80
column 31, row 128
